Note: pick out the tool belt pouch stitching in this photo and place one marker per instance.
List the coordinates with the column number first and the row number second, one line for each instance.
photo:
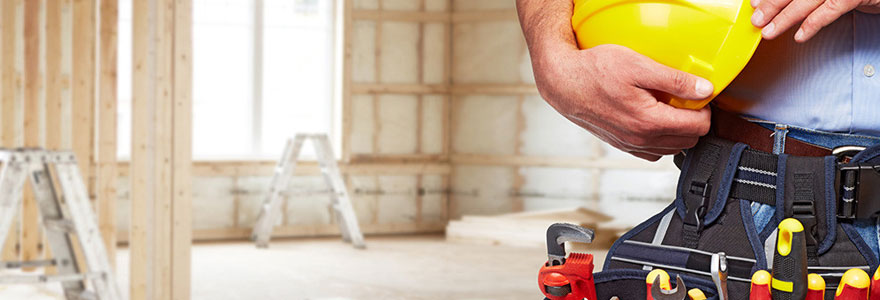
column 838, row 249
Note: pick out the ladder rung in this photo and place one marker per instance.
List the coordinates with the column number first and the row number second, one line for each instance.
column 37, row 279
column 61, row 225
column 86, row 295
column 27, row 264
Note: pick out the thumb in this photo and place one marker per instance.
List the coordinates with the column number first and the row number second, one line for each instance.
column 680, row 84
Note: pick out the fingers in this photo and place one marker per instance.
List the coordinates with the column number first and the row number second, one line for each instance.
column 825, row 14
column 673, row 121
column 655, row 76
column 792, row 14
column 765, row 12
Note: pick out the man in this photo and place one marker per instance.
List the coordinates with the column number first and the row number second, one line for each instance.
column 809, row 89
column 606, row 89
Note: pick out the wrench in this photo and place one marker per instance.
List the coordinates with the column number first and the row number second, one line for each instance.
column 678, row 293
column 718, row 266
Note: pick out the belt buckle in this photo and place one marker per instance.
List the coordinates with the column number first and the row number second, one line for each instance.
column 858, row 186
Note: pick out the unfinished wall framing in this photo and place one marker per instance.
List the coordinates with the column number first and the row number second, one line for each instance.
column 49, row 99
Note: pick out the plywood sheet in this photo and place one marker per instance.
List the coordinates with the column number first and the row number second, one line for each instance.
column 363, row 51
column 547, row 133
column 434, row 53
column 487, row 52
column 397, row 124
column 362, row 120
column 481, row 190
column 213, row 202
column 484, row 124
column 398, row 55
column 432, row 124
column 398, row 201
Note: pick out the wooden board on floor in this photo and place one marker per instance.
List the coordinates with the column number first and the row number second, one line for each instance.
column 528, row 229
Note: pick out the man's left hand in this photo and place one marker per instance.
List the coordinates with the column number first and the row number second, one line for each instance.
column 777, row 16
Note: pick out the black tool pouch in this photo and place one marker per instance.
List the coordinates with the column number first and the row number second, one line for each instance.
column 720, row 182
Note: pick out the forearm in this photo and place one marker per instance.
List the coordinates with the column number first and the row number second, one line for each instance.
column 546, row 25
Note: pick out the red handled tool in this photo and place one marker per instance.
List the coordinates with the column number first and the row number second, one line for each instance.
column 760, row 285
column 815, row 287
column 569, row 278
column 875, row 286
column 853, row 286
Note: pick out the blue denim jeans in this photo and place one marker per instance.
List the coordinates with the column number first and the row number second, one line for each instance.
column 762, row 213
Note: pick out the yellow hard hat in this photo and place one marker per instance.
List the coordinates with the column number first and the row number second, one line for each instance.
column 711, row 39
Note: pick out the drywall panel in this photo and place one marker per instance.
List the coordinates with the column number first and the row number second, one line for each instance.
column 308, row 201
column 549, row 188
column 488, row 52
column 251, row 191
column 468, row 5
column 213, row 202
column 398, row 201
column 432, row 124
column 632, row 196
column 434, row 205
column 436, row 5
column 362, row 129
column 434, row 50
column 363, row 51
column 366, row 4
column 398, row 119
column 547, row 133
column 398, row 55
column 481, row 190
column 525, row 67
column 403, row 5
column 484, row 124
column 364, row 191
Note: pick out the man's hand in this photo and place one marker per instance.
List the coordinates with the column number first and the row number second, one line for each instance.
column 777, row 16
column 608, row 91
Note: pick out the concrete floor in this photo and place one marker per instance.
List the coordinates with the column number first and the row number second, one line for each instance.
column 394, row 267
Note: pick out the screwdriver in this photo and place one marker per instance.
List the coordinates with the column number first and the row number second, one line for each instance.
column 790, row 262
column 696, row 294
column 815, row 287
column 853, row 285
column 875, row 286
column 760, row 289
column 664, row 281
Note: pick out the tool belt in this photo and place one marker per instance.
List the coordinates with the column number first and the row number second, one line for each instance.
column 720, row 181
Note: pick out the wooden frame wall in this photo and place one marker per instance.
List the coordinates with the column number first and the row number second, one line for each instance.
column 49, row 99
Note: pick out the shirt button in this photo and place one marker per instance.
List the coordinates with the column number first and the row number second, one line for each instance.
column 868, row 70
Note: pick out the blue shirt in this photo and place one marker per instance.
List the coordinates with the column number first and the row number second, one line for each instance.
column 828, row 83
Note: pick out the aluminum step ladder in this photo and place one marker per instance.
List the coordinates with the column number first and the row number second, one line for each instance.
column 63, row 215
column 270, row 211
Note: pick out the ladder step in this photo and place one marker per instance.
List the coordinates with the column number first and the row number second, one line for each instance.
column 27, row 264
column 86, row 295
column 60, row 225
column 38, row 279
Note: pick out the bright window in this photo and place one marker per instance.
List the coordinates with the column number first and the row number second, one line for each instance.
column 258, row 76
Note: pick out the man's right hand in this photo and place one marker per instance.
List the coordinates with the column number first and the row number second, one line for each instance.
column 609, row 89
